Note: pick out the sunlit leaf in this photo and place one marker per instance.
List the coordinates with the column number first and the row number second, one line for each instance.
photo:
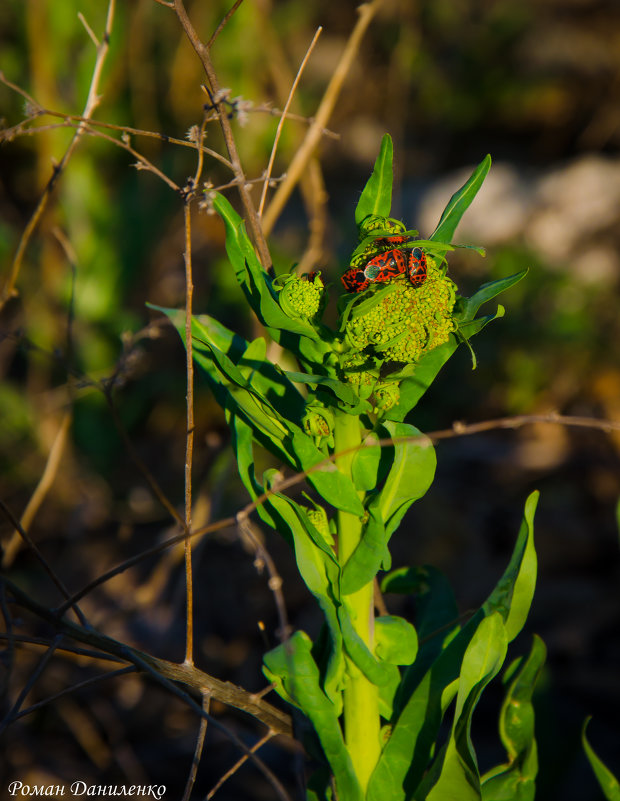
column 376, row 197
column 368, row 556
column 411, row 474
column 516, row 778
column 512, row 596
column 460, row 202
column 292, row 667
column 427, row 689
column 608, row 782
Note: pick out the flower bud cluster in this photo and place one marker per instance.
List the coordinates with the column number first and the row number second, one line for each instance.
column 407, row 321
column 318, row 518
column 303, row 296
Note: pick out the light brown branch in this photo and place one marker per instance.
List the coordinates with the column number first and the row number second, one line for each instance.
column 223, row 24
column 313, row 136
column 203, row 54
column 41, row 490
column 189, row 441
column 238, row 764
column 200, row 744
column 283, row 117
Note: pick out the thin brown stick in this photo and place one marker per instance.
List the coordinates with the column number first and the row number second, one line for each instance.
column 8, row 290
column 200, row 744
column 21, row 640
column 33, row 678
column 68, row 690
column 289, row 100
column 203, row 54
column 223, row 24
column 189, row 441
column 41, row 490
column 313, row 136
column 275, row 580
column 43, row 561
column 150, row 478
column 238, row 764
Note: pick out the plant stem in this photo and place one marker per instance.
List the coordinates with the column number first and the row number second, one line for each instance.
column 361, row 696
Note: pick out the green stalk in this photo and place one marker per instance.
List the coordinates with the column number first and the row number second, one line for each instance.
column 361, row 696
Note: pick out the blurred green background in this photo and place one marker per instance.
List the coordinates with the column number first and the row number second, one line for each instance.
column 536, row 84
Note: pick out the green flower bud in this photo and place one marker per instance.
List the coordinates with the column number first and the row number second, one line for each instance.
column 318, row 518
column 375, row 223
column 386, row 396
column 301, row 296
column 318, row 422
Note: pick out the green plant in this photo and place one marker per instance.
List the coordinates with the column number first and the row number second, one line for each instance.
column 374, row 691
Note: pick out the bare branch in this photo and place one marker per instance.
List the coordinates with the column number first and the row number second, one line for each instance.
column 313, row 136
column 43, row 561
column 200, row 744
column 282, row 118
column 41, row 490
column 238, row 764
column 223, row 24
column 89, row 30
column 203, row 54
column 189, row 438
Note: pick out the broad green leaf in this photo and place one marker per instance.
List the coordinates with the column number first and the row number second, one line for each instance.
column 375, row 671
column 424, row 693
column 243, row 387
column 371, row 552
column 270, row 381
column 365, row 464
column 513, row 595
column 243, row 390
column 412, row 472
column 460, row 202
column 336, row 488
column 243, row 399
column 376, row 197
column 467, row 307
column 319, row 570
column 292, row 666
column 608, row 782
column 243, row 446
column 516, row 778
column 459, row 777
column 396, row 640
column 252, row 278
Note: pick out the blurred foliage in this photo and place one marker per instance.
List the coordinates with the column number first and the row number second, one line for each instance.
column 534, row 83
